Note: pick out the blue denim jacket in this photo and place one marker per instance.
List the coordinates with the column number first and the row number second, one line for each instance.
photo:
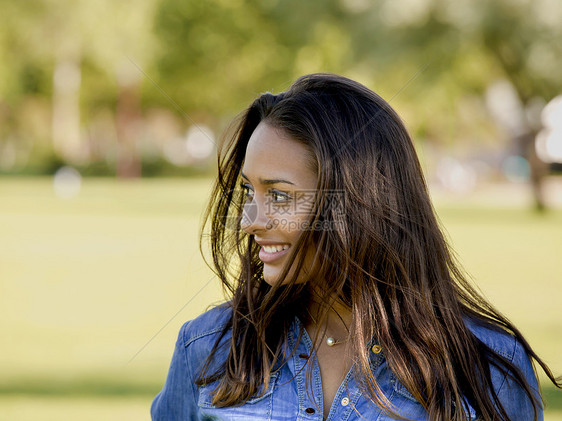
column 286, row 398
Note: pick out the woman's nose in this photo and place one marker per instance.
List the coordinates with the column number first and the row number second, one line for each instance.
column 254, row 217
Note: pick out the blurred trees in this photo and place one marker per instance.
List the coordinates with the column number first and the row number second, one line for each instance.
column 474, row 44
column 69, row 58
column 525, row 43
column 218, row 55
column 115, row 82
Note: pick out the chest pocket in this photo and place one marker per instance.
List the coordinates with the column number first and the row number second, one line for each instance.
column 255, row 409
column 412, row 406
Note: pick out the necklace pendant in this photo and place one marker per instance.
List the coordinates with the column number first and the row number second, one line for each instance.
column 331, row 341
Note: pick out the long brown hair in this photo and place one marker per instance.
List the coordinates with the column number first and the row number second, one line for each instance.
column 382, row 255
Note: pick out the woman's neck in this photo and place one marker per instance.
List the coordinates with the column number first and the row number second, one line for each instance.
column 328, row 321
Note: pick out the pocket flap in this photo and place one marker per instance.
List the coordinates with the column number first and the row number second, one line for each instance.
column 400, row 389
column 206, row 393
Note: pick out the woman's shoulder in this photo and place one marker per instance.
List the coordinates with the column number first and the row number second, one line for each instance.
column 196, row 339
column 206, row 326
column 510, row 393
column 495, row 337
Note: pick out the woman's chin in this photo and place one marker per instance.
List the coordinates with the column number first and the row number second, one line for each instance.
column 270, row 278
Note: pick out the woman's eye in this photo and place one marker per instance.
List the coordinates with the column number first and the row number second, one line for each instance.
column 247, row 190
column 279, row 197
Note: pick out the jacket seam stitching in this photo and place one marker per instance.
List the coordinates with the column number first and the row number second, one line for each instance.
column 190, row 373
column 192, row 339
column 511, row 361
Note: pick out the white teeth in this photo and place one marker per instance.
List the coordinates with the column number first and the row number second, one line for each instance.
column 275, row 249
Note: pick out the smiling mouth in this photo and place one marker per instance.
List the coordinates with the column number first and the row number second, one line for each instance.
column 275, row 249
column 270, row 253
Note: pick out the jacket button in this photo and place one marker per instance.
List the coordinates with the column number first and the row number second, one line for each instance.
column 310, row 410
column 376, row 349
column 345, row 401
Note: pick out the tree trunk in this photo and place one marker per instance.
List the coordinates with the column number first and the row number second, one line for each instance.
column 66, row 111
column 127, row 116
column 538, row 170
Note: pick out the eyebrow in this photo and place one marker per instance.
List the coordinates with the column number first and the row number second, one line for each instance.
column 269, row 181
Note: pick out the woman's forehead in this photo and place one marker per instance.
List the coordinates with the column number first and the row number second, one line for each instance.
column 273, row 155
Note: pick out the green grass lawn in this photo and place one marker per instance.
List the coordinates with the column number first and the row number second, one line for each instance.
column 94, row 289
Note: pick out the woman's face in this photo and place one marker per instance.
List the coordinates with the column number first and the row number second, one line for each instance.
column 280, row 189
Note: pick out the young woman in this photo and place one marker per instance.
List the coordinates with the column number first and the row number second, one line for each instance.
column 346, row 303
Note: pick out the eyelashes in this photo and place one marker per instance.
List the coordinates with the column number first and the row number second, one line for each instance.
column 274, row 195
column 248, row 192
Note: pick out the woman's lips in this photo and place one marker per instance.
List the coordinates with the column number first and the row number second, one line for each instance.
column 267, row 257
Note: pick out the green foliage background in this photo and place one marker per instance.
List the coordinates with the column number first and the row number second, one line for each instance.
column 204, row 61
